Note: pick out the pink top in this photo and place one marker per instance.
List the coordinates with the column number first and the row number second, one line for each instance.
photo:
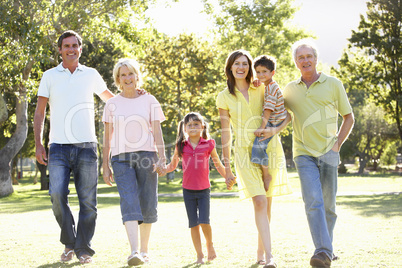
column 131, row 119
column 274, row 101
column 196, row 164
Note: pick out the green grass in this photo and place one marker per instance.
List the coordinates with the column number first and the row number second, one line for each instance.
column 367, row 233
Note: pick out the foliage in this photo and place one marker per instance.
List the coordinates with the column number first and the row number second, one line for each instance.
column 28, row 34
column 379, row 35
column 181, row 73
column 261, row 27
column 389, row 156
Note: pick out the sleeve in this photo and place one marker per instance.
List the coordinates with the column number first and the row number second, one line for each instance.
column 100, row 85
column 108, row 112
column 211, row 143
column 44, row 86
column 344, row 107
column 270, row 97
column 156, row 113
column 221, row 102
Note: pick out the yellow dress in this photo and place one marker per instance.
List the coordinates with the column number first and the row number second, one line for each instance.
column 245, row 118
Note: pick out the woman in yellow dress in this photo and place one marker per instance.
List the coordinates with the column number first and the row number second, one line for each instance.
column 240, row 106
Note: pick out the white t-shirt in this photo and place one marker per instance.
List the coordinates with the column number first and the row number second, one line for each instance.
column 131, row 119
column 71, row 103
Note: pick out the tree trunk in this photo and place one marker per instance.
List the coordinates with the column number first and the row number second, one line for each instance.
column 15, row 143
column 44, row 180
column 362, row 165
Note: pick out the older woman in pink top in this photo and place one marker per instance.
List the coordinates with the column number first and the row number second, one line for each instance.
column 133, row 139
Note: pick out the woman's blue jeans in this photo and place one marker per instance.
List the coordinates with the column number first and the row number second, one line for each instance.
column 318, row 178
column 82, row 160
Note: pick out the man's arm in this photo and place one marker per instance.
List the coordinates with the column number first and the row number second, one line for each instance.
column 39, row 120
column 105, row 95
column 344, row 131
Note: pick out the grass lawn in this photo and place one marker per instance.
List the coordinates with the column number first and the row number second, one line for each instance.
column 367, row 234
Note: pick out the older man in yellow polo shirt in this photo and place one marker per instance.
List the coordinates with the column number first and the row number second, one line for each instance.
column 315, row 100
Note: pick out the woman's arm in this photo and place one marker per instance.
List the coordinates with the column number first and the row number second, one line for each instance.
column 107, row 137
column 225, row 138
column 271, row 131
column 160, row 145
column 218, row 164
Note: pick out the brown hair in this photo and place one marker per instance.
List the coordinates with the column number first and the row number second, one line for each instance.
column 68, row 34
column 265, row 61
column 192, row 116
column 231, row 82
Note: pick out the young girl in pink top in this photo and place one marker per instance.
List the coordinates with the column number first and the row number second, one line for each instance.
column 194, row 147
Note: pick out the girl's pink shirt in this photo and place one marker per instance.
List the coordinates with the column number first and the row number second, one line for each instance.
column 196, row 164
column 131, row 119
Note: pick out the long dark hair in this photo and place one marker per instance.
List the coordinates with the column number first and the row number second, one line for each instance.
column 192, row 116
column 231, row 82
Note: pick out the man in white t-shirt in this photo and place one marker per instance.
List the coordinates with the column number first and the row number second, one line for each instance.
column 69, row 90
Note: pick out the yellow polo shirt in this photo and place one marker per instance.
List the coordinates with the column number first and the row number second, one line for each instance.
column 315, row 113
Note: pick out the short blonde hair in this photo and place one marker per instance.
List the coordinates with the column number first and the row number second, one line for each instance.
column 132, row 65
column 304, row 43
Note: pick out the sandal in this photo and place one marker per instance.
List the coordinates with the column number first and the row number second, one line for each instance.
column 135, row 259
column 85, row 259
column 270, row 265
column 145, row 256
column 260, row 262
column 67, row 256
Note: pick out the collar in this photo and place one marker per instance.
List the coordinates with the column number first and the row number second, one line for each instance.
column 60, row 67
column 202, row 140
column 321, row 79
column 250, row 87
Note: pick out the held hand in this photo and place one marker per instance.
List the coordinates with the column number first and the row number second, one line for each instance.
column 40, row 155
column 160, row 167
column 258, row 132
column 230, row 180
column 107, row 175
column 267, row 133
column 257, row 83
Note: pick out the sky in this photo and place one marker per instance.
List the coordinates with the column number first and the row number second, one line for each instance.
column 332, row 21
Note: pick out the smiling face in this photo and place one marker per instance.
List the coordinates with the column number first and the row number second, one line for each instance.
column 240, row 68
column 127, row 78
column 264, row 74
column 194, row 128
column 305, row 60
column 70, row 50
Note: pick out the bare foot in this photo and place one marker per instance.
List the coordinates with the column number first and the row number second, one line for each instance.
column 267, row 180
column 200, row 259
column 211, row 253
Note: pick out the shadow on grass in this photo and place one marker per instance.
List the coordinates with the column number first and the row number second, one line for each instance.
column 388, row 205
column 60, row 264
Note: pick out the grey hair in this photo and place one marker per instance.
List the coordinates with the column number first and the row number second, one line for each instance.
column 304, row 43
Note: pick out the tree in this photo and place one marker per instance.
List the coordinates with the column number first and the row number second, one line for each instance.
column 372, row 132
column 181, row 72
column 28, row 34
column 259, row 26
column 379, row 35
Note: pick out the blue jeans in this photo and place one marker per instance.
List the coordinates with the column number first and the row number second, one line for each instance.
column 137, row 185
column 197, row 206
column 259, row 152
column 82, row 160
column 318, row 178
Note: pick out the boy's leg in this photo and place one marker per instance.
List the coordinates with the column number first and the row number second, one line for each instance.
column 196, row 237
